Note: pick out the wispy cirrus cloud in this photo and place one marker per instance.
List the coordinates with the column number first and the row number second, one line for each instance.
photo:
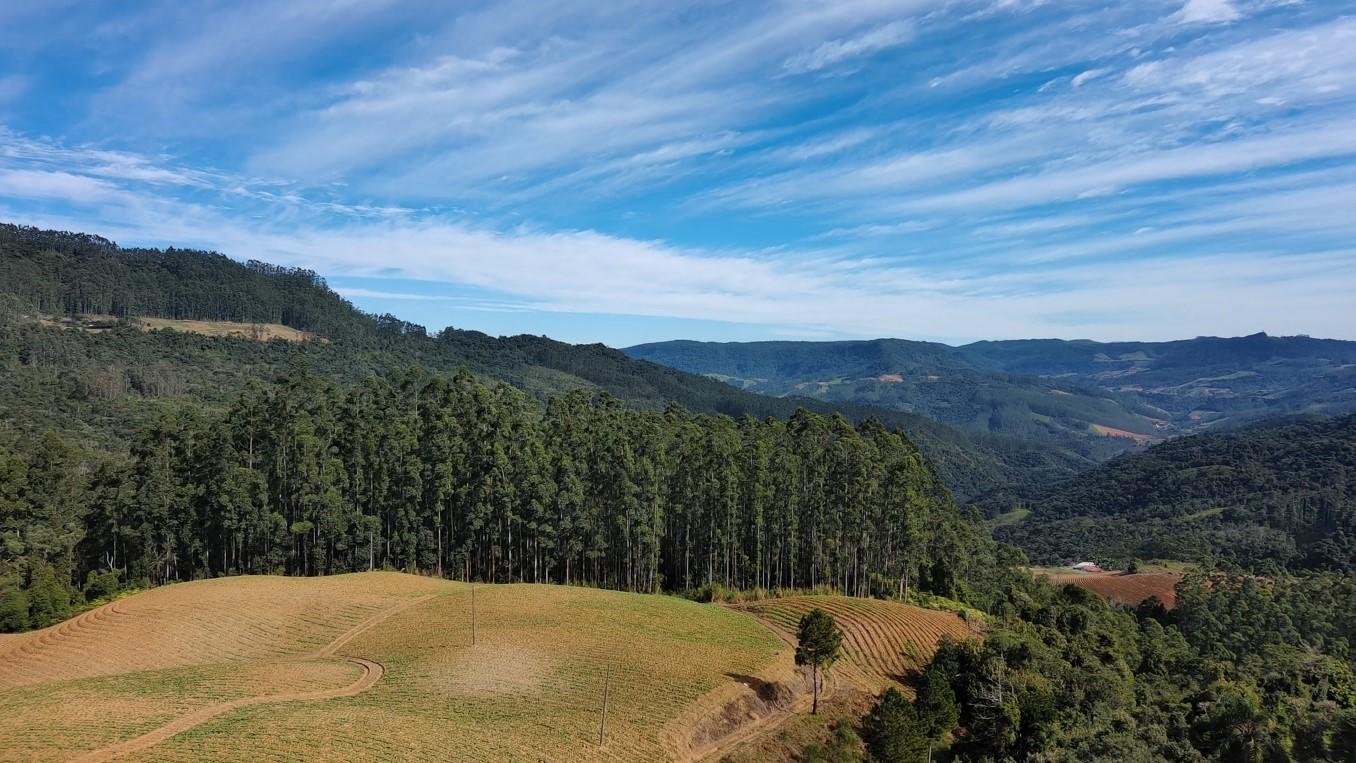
column 953, row 169
column 836, row 51
column 1208, row 12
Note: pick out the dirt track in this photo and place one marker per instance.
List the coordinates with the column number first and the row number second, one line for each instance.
column 372, row 672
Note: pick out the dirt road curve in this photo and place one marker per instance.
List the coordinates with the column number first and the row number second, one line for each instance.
column 372, row 672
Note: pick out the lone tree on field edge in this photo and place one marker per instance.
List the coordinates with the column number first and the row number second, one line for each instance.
column 818, row 642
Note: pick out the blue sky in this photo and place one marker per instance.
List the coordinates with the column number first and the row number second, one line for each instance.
column 633, row 171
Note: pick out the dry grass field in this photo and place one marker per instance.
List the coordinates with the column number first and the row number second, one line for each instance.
column 883, row 641
column 259, row 332
column 262, row 332
column 379, row 666
column 1124, row 587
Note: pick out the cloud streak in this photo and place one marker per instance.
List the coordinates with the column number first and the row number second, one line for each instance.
column 951, row 169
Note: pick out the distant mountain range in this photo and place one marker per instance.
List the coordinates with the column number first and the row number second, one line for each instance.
column 1091, row 398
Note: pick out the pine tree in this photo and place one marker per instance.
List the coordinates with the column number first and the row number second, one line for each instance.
column 936, row 707
column 818, row 644
column 894, row 733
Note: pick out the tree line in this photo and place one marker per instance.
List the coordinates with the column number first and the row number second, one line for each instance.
column 459, row 478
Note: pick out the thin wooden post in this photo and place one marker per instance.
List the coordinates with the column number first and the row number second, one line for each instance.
column 473, row 614
column 607, row 690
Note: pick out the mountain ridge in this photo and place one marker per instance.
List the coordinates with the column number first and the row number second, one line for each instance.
column 1098, row 398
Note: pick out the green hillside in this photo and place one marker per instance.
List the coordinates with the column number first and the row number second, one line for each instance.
column 1283, row 492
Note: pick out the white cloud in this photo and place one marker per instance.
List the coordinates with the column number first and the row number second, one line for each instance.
column 1088, row 76
column 836, row 51
column 635, row 137
column 356, row 291
column 61, row 186
column 1313, row 142
column 805, row 290
column 1208, row 12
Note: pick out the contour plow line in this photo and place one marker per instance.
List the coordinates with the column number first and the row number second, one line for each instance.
column 372, row 672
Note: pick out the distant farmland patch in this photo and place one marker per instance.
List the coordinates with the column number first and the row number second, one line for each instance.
column 1106, row 431
column 259, row 332
column 1124, row 587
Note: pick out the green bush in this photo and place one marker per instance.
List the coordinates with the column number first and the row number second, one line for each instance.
column 102, row 585
column 48, row 600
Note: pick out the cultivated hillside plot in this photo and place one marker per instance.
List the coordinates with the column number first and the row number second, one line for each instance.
column 375, row 666
column 883, row 641
column 1124, row 587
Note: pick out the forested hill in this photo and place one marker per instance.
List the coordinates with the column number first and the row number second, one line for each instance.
column 1282, row 492
column 106, row 380
column 64, row 273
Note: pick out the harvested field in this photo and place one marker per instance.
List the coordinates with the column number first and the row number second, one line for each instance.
column 1124, row 587
column 261, row 332
column 883, row 641
column 245, row 619
column 379, row 666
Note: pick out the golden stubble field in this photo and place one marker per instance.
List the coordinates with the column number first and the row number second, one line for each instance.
column 376, row 666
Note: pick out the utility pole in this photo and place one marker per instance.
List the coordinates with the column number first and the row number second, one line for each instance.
column 607, row 687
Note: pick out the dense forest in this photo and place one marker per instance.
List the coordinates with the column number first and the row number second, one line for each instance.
column 1280, row 494
column 467, row 480
column 106, row 381
column 1243, row 669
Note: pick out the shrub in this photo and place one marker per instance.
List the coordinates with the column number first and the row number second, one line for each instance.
column 102, row 585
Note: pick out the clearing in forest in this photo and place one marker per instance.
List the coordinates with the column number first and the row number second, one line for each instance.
column 261, row 332
column 380, row 666
column 1124, row 587
column 883, row 641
